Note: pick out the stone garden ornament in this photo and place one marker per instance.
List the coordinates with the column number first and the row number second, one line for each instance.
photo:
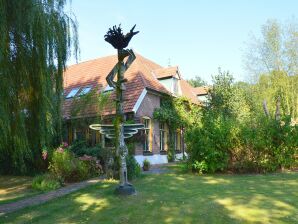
column 119, row 131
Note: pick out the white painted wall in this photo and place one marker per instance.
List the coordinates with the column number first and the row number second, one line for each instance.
column 153, row 159
column 179, row 156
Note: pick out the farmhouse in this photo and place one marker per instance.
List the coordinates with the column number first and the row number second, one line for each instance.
column 147, row 85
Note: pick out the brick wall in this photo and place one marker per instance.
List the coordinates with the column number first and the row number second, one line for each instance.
column 146, row 109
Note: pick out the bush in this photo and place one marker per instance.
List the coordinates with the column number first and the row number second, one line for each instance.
column 200, row 167
column 66, row 167
column 146, row 165
column 171, row 153
column 209, row 146
column 133, row 168
column 80, row 148
column 45, row 182
column 93, row 165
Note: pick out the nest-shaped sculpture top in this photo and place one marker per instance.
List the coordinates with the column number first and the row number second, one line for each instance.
column 116, row 38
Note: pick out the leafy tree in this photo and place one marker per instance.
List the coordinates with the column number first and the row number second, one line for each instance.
column 197, row 81
column 35, row 42
column 233, row 133
column 276, row 50
column 273, row 61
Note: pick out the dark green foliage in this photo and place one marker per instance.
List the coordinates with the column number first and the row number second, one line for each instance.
column 269, row 145
column 171, row 152
column 35, row 41
column 146, row 165
column 176, row 112
column 81, row 148
column 45, row 182
column 92, row 164
column 235, row 134
column 133, row 168
column 208, row 146
column 66, row 167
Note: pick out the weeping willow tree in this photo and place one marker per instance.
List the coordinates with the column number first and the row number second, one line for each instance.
column 36, row 40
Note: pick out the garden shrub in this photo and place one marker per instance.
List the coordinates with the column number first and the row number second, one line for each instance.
column 234, row 133
column 93, row 165
column 65, row 166
column 81, row 148
column 46, row 182
column 133, row 168
column 146, row 165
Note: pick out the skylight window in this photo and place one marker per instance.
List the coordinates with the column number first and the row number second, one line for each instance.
column 108, row 88
column 85, row 90
column 72, row 93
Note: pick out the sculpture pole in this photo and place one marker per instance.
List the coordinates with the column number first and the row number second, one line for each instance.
column 119, row 41
column 121, row 148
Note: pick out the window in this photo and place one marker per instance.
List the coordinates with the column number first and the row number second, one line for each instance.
column 72, row 93
column 203, row 98
column 108, row 88
column 178, row 140
column 85, row 90
column 79, row 134
column 147, row 134
column 161, row 137
column 175, row 85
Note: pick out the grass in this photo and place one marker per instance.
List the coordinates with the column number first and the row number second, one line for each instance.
column 176, row 198
column 13, row 188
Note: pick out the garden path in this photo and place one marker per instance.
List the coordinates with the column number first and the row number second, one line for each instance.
column 42, row 198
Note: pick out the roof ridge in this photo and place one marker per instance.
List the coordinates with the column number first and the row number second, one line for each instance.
column 90, row 60
column 176, row 66
column 141, row 57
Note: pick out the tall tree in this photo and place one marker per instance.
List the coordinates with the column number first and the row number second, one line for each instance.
column 272, row 60
column 275, row 50
column 35, row 42
column 197, row 81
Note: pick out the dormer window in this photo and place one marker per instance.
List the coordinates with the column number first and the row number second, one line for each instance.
column 171, row 84
column 175, row 86
column 72, row 93
column 85, row 90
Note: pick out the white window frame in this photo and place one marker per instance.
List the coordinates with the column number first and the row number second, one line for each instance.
column 162, row 137
column 85, row 90
column 147, row 127
column 72, row 92
column 108, row 88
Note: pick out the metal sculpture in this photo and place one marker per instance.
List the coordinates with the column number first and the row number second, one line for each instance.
column 120, row 131
column 109, row 130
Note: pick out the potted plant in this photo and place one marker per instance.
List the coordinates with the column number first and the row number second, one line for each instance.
column 146, row 165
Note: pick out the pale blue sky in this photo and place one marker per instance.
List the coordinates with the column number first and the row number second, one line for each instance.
column 198, row 36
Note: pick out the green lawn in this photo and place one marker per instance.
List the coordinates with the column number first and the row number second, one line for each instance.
column 13, row 188
column 176, row 198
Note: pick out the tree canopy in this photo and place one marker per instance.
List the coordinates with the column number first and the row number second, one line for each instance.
column 272, row 62
column 197, row 81
column 36, row 39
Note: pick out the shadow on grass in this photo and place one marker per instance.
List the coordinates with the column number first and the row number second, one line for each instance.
column 13, row 188
column 176, row 198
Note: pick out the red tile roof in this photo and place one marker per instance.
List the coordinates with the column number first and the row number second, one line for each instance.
column 93, row 73
column 202, row 90
column 188, row 91
column 143, row 73
column 166, row 72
